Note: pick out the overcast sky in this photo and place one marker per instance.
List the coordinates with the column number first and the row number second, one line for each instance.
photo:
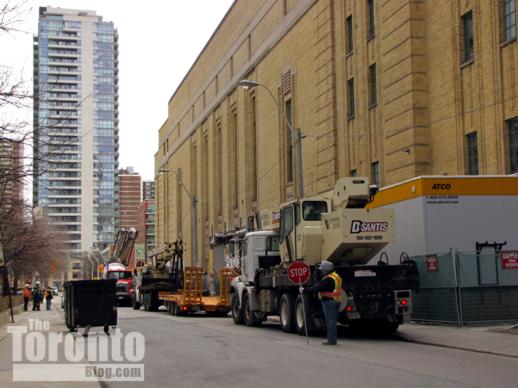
column 158, row 42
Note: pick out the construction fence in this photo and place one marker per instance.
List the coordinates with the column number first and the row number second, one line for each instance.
column 467, row 288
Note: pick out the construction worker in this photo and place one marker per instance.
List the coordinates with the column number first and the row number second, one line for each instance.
column 36, row 297
column 48, row 297
column 26, row 294
column 329, row 290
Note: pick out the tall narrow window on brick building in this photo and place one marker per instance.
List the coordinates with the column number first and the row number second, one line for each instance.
column 205, row 176
column 179, row 208
column 253, row 146
column 508, row 20
column 467, row 36
column 472, row 153
column 375, row 173
column 349, row 35
column 289, row 141
column 350, row 98
column 217, row 170
column 371, row 21
column 373, row 87
column 513, row 145
column 193, row 169
column 234, row 159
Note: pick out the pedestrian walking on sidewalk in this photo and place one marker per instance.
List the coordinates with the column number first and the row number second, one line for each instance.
column 26, row 294
column 329, row 291
column 36, row 297
column 48, row 297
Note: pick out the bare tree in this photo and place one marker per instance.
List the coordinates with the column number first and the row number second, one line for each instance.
column 30, row 245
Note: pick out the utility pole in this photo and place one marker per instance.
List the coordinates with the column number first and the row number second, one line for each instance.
column 194, row 217
column 296, row 135
column 298, row 142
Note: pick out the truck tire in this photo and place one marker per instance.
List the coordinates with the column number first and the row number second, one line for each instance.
column 154, row 303
column 144, row 301
column 237, row 313
column 299, row 316
column 286, row 313
column 388, row 326
column 147, row 301
column 134, row 303
column 248, row 314
column 175, row 309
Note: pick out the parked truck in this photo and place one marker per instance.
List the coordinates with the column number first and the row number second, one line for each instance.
column 164, row 281
column 335, row 226
column 163, row 272
column 191, row 298
column 117, row 267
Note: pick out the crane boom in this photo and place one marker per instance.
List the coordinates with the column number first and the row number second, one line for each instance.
column 123, row 245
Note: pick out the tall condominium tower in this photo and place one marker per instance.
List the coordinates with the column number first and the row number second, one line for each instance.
column 148, row 190
column 76, row 126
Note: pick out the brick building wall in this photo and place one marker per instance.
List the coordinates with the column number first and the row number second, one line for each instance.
column 129, row 198
column 379, row 88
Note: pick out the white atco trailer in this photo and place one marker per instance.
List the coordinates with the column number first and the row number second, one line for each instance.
column 434, row 214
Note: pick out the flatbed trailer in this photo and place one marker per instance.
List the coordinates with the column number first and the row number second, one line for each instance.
column 190, row 299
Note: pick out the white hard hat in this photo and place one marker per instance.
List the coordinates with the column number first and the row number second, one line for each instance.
column 326, row 267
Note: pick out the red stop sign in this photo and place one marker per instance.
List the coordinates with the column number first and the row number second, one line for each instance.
column 298, row 272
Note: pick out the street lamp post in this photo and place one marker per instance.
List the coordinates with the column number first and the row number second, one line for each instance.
column 92, row 266
column 96, row 260
column 194, row 218
column 297, row 135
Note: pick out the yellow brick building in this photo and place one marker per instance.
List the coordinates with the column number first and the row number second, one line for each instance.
column 389, row 89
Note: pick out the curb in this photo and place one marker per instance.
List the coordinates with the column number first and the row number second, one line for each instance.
column 421, row 342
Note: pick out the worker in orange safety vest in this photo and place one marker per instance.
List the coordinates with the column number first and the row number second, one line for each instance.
column 26, row 295
column 329, row 291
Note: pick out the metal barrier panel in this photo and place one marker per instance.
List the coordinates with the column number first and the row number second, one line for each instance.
column 436, row 300
column 489, row 304
column 467, row 269
column 466, row 288
column 506, row 276
column 435, row 305
column 488, row 291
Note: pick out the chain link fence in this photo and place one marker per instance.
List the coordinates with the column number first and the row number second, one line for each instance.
column 466, row 288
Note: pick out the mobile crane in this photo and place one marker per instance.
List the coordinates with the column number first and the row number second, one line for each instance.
column 117, row 267
column 163, row 272
column 335, row 226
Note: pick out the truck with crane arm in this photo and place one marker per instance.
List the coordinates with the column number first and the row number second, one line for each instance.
column 335, row 226
column 164, row 280
column 117, row 267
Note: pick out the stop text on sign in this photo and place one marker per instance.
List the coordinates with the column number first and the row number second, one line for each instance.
column 298, row 272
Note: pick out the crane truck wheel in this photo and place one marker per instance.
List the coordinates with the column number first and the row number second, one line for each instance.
column 146, row 301
column 300, row 328
column 176, row 310
column 154, row 303
column 134, row 303
column 286, row 313
column 248, row 314
column 237, row 313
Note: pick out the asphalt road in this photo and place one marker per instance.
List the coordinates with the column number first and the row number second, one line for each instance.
column 199, row 351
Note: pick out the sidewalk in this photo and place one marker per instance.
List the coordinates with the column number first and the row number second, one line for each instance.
column 500, row 340
column 57, row 324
